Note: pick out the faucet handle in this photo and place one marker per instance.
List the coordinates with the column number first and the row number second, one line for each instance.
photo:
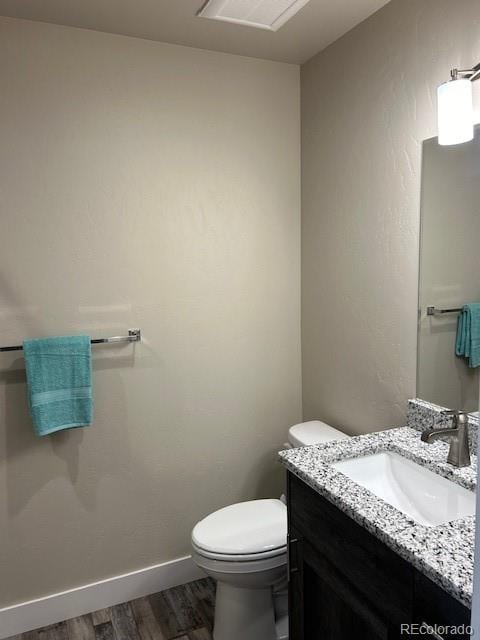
column 458, row 416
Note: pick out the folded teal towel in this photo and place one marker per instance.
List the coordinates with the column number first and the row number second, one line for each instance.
column 59, row 378
column 468, row 334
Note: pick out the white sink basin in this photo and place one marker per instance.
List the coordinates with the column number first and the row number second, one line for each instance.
column 426, row 497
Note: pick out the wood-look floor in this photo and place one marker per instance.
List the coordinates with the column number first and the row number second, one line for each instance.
column 183, row 613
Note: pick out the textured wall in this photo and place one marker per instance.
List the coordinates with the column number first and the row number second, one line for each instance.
column 368, row 102
column 155, row 186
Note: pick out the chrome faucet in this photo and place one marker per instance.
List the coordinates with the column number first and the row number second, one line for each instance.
column 459, row 453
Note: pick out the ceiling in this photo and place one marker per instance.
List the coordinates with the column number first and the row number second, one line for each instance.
column 313, row 28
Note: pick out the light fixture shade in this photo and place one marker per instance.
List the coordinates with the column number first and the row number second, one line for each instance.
column 455, row 112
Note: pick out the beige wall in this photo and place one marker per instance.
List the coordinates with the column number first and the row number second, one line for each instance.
column 152, row 186
column 368, row 102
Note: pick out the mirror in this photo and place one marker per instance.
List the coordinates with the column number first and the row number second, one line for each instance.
column 449, row 270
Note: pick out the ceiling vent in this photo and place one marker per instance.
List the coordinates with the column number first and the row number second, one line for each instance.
column 262, row 14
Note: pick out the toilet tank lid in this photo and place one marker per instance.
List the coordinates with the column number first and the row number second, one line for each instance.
column 250, row 527
column 313, row 432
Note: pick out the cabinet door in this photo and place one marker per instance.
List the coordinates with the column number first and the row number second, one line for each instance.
column 295, row 586
column 332, row 608
column 437, row 610
column 383, row 578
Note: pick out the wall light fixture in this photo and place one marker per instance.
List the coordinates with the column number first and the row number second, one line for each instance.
column 455, row 106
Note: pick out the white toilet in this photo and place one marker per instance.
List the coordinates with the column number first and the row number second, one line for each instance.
column 244, row 548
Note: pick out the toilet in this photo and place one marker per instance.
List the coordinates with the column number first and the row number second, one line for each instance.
column 244, row 548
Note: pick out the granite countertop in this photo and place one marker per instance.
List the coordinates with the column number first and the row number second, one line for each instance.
column 444, row 553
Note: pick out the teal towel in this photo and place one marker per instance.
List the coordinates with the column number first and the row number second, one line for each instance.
column 59, row 378
column 468, row 334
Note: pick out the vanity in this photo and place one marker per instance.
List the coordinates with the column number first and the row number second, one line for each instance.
column 361, row 568
column 381, row 528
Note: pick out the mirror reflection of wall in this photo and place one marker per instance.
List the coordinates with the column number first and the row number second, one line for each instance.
column 449, row 269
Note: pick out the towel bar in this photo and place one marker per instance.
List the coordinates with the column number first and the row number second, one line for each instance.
column 433, row 311
column 134, row 335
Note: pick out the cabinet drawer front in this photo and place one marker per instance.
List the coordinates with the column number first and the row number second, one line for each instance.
column 372, row 568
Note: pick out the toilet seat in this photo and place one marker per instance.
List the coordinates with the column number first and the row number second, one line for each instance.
column 242, row 566
column 243, row 532
column 240, row 557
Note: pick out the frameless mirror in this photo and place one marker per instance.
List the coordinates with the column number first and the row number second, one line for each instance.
column 449, row 270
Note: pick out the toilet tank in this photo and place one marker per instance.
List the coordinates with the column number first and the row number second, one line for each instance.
column 313, row 432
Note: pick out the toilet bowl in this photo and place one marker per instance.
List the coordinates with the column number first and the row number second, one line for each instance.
column 244, row 548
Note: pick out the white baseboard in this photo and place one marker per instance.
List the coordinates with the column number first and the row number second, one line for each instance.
column 41, row 612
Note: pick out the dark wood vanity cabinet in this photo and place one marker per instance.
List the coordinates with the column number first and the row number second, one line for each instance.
column 346, row 584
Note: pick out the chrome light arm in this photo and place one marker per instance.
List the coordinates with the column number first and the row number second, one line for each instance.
column 468, row 74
